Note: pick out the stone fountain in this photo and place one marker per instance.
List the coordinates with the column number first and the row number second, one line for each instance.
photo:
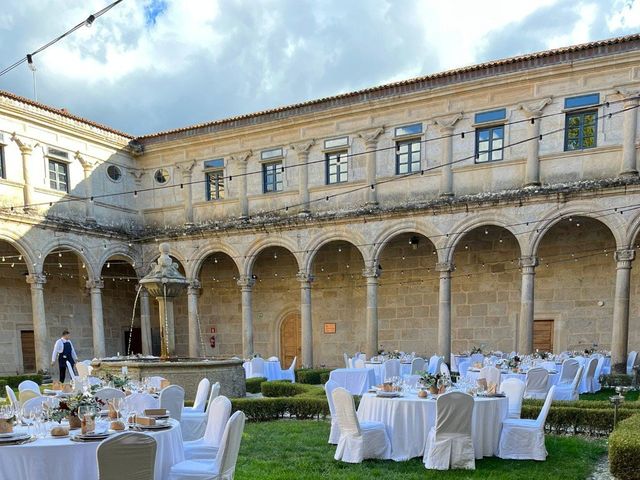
column 165, row 283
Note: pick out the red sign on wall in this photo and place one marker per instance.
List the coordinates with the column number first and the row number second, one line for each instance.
column 213, row 329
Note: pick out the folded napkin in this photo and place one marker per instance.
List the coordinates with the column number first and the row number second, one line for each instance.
column 492, row 388
column 482, row 383
column 155, row 411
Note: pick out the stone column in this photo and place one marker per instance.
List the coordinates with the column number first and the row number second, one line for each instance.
column 87, row 168
column 446, row 126
column 620, row 333
column 629, row 156
column 193, row 292
column 302, row 150
column 306, row 319
column 444, row 310
column 145, row 322
column 186, row 169
column 533, row 111
column 528, row 266
column 25, row 150
column 240, row 160
column 370, row 138
column 246, row 283
column 97, row 323
column 40, row 336
column 372, row 274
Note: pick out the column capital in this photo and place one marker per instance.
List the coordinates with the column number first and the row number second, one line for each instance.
column 625, row 257
column 25, row 146
column 94, row 284
column 305, row 277
column 186, row 168
column 143, row 292
column 36, row 279
column 194, row 287
column 370, row 136
column 630, row 95
column 241, row 157
column 445, row 267
column 446, row 124
column 528, row 262
column 534, row 109
column 246, row 282
column 372, row 272
column 302, row 148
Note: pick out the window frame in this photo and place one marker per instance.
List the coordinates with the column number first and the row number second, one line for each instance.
column 581, row 112
column 57, row 182
column 415, row 140
column 490, row 151
column 278, row 175
column 340, row 170
column 219, row 177
column 3, row 166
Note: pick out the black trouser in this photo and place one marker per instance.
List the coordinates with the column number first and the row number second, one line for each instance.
column 62, row 364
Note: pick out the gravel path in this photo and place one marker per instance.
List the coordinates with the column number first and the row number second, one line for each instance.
column 601, row 471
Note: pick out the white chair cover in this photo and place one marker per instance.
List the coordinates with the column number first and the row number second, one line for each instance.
column 417, row 365
column 347, row 361
column 463, row 367
column 549, row 366
column 71, row 371
column 524, row 439
column 172, row 398
column 94, row 381
column 139, row 402
column 207, row 446
column 200, row 402
column 29, row 385
column 513, row 388
column 156, row 382
column 128, row 455
column 25, row 395
column 477, row 358
column 536, row 383
column 273, row 359
column 569, row 391
column 391, row 368
column 334, row 434
column 357, row 440
column 599, row 371
column 35, row 404
column 83, row 370
column 444, row 370
column 106, row 394
column 569, row 368
column 257, row 367
column 289, row 373
column 449, row 443
column 632, row 359
column 586, row 383
column 12, row 397
column 224, row 464
column 491, row 375
column 434, row 364
column 358, row 363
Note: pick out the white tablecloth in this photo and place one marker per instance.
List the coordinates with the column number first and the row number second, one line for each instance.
column 356, row 380
column 408, row 421
column 272, row 369
column 455, row 359
column 380, row 373
column 553, row 377
column 60, row 458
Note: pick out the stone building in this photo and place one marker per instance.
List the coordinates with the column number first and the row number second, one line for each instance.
column 418, row 215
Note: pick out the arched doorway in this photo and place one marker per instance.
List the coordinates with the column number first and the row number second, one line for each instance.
column 290, row 338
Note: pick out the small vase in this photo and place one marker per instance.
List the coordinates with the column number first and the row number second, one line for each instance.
column 6, row 426
column 74, row 422
column 433, row 390
column 442, row 389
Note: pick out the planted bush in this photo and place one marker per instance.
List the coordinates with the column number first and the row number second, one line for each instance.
column 616, row 380
column 311, row 376
column 624, row 449
column 281, row 388
column 266, row 409
column 253, row 384
column 15, row 380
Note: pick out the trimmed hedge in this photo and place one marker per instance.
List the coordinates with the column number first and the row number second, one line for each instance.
column 253, row 384
column 15, row 380
column 266, row 409
column 584, row 404
column 567, row 419
column 324, row 378
column 616, row 380
column 311, row 376
column 624, row 449
column 282, row 388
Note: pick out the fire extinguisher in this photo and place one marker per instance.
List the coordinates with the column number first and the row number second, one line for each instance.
column 212, row 341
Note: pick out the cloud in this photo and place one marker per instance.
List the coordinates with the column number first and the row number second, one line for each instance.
column 150, row 65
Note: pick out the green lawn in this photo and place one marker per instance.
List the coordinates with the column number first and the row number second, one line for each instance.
column 297, row 449
column 605, row 393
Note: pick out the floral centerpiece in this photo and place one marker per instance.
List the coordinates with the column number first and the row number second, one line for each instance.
column 432, row 382
column 542, row 355
column 476, row 349
column 514, row 363
column 68, row 408
column 118, row 381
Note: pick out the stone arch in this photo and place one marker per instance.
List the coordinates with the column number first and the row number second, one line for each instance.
column 429, row 232
column 197, row 261
column 353, row 238
column 23, row 249
column 258, row 246
column 117, row 251
column 175, row 254
column 81, row 251
column 632, row 231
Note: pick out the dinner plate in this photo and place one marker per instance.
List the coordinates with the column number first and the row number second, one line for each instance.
column 17, row 437
column 9, row 434
column 389, row 394
column 157, row 426
column 159, row 417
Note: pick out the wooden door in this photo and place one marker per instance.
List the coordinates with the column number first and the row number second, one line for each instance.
column 28, row 351
column 290, row 339
column 543, row 335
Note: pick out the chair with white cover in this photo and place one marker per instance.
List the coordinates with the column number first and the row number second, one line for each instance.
column 449, row 443
column 156, row 382
column 71, row 371
column 29, row 385
column 569, row 368
column 289, row 373
column 12, row 397
column 586, row 382
column 391, row 368
column 257, row 367
column 200, row 402
column 523, row 439
column 513, row 388
column 347, row 361
column 128, row 455
column 108, row 393
column 569, row 391
column 536, row 383
column 444, row 370
column 463, row 367
column 208, row 445
column 25, row 395
column 334, row 434
column 273, row 358
column 417, row 365
column 223, row 466
column 358, row 440
column 491, row 375
column 548, row 366
column 83, row 370
column 172, row 399
column 358, row 363
column 596, row 376
column 477, row 358
column 632, row 360
column 213, row 394
column 139, row 402
column 434, row 364
column 35, row 404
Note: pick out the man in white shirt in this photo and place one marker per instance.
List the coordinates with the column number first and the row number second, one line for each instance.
column 64, row 352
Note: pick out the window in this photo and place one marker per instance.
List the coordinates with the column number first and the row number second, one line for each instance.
column 489, row 143
column 407, row 156
column 415, row 129
column 336, row 143
column 3, row 172
column 273, row 153
column 215, row 185
column 492, row 116
column 58, row 176
column 161, row 176
column 582, row 101
column 114, row 173
column 272, row 177
column 580, row 130
column 337, row 167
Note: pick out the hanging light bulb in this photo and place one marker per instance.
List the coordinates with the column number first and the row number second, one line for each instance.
column 60, row 254
column 59, row 265
column 13, row 265
column 20, row 257
column 339, row 249
column 108, row 265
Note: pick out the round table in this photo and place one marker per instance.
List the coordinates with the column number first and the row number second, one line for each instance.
column 380, row 371
column 408, row 420
column 272, row 369
column 473, row 375
column 63, row 458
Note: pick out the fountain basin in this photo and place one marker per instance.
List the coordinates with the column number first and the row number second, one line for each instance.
column 184, row 372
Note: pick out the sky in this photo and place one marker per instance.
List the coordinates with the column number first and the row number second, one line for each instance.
column 153, row 65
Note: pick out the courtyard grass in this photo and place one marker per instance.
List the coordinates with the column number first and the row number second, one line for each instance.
column 605, row 393
column 298, row 449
